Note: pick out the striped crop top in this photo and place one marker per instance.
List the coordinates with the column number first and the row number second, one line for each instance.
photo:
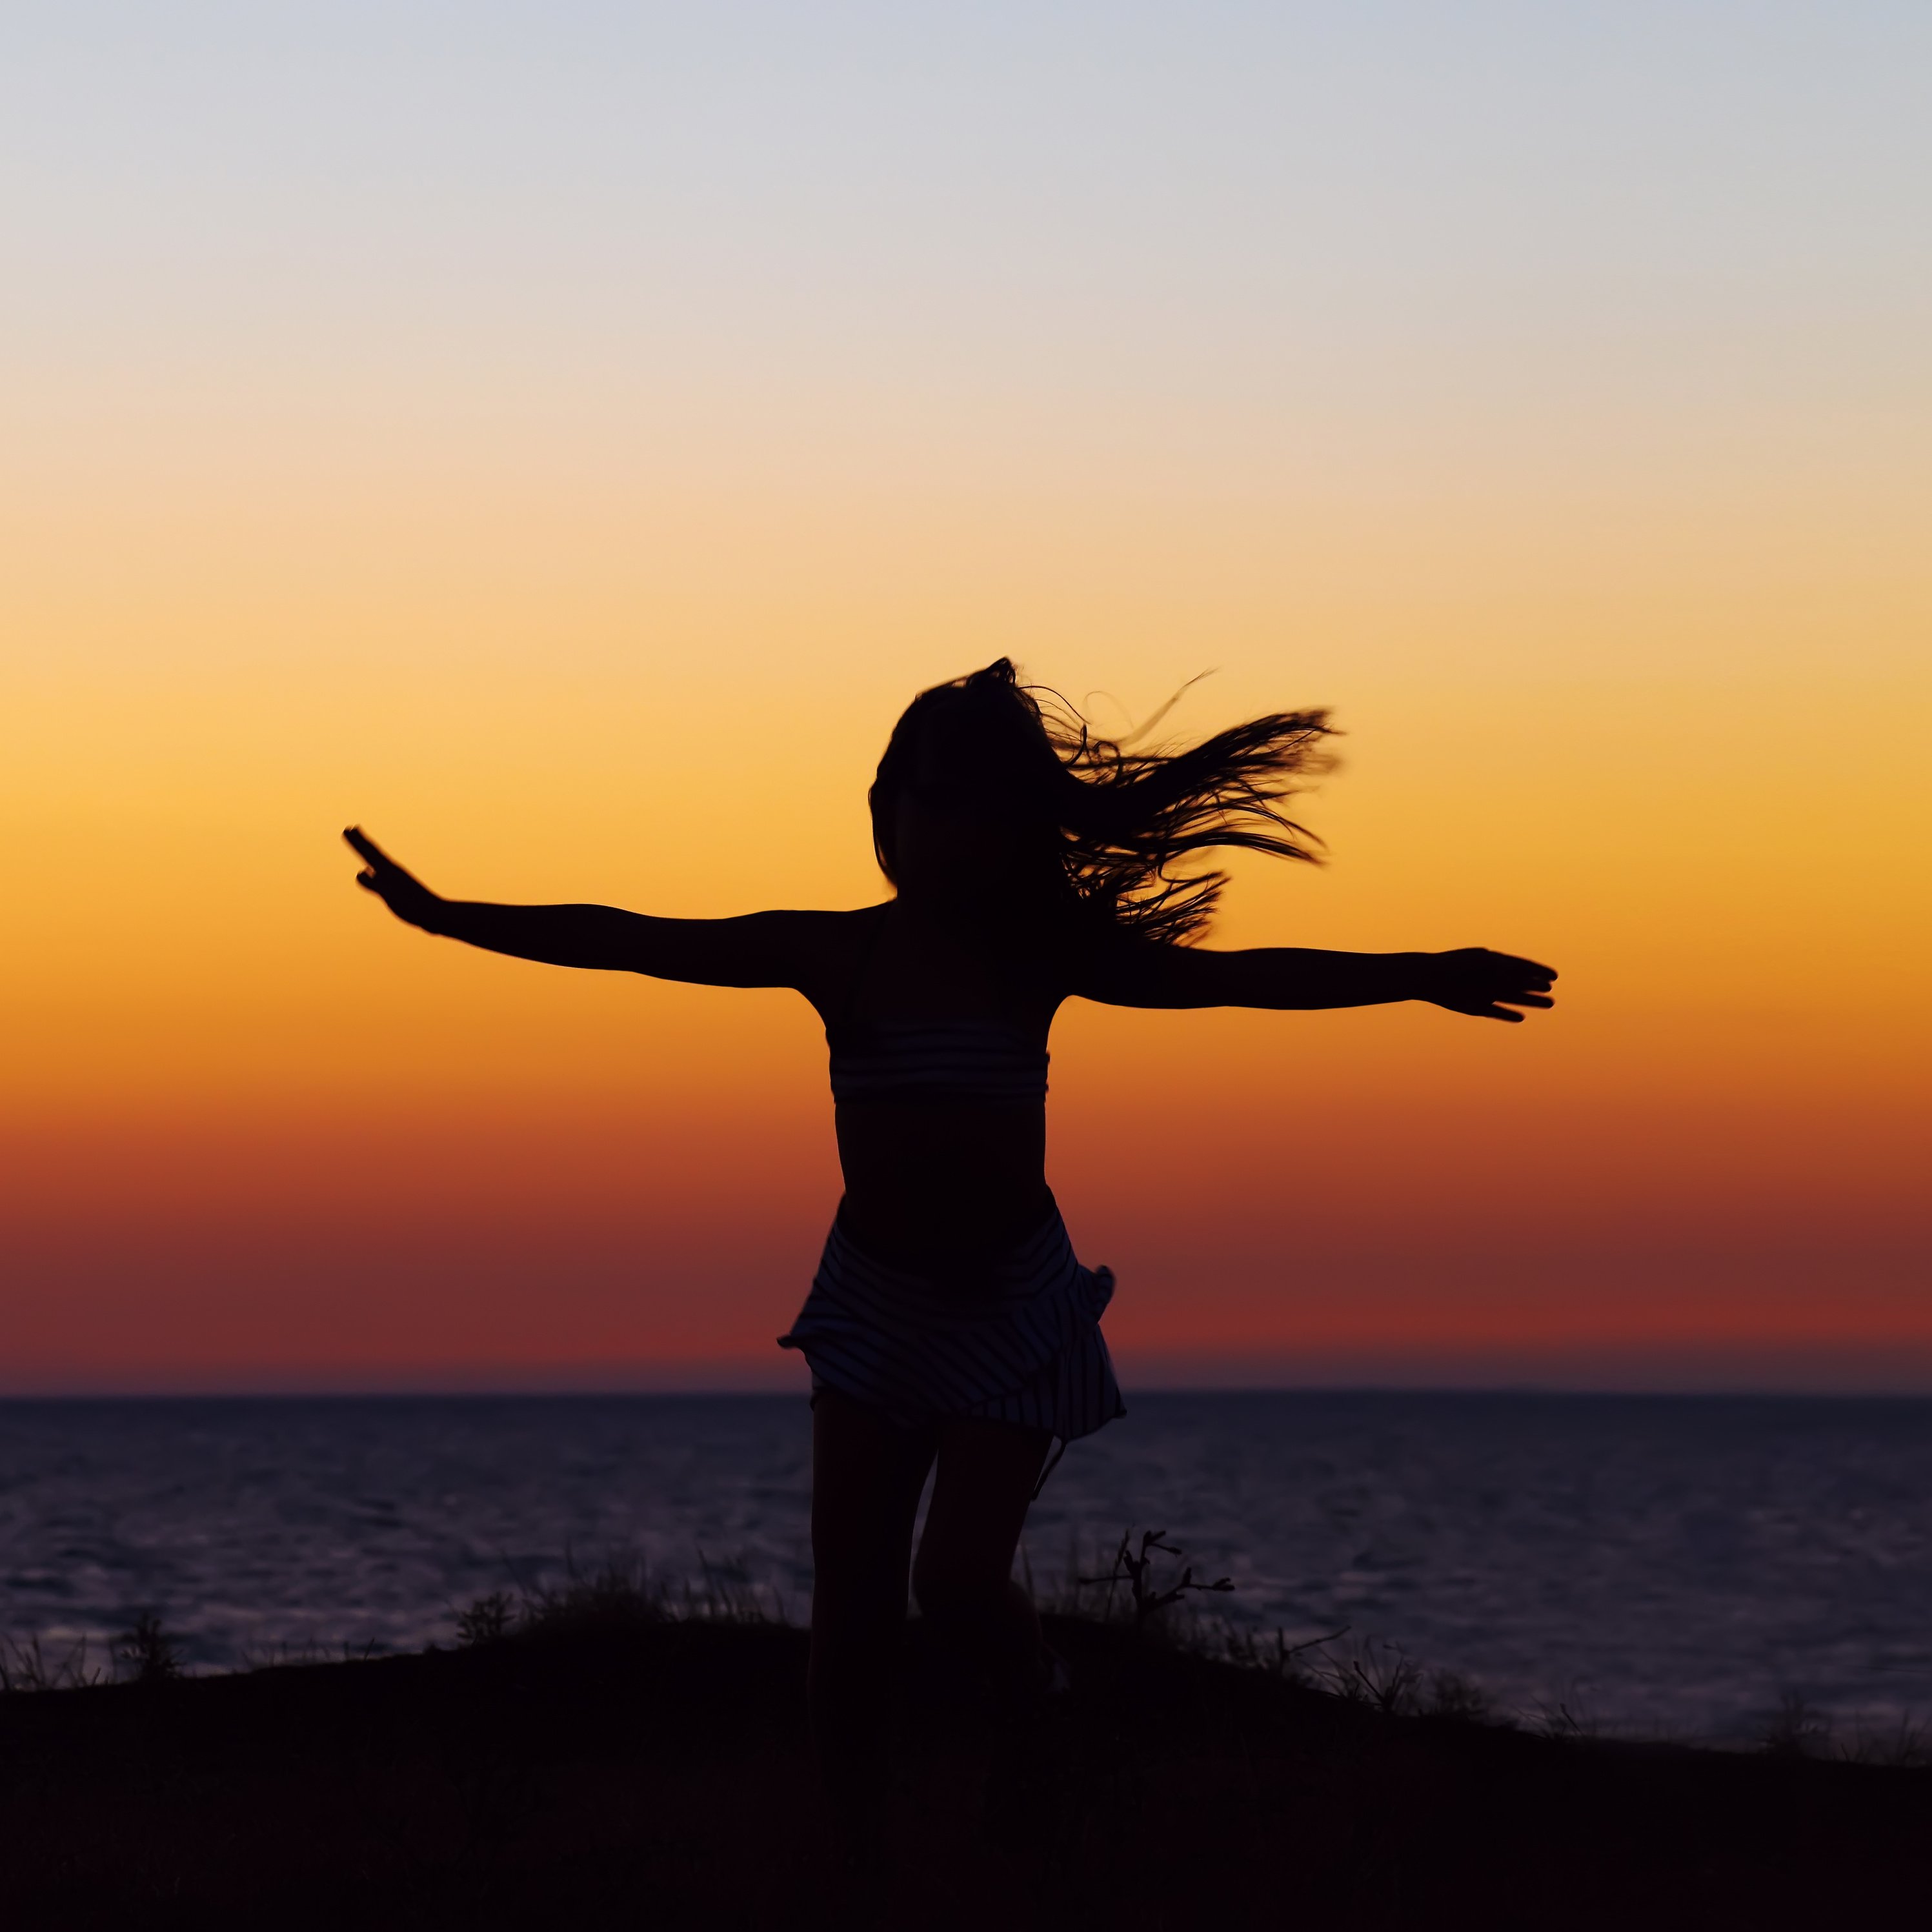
column 962, row 1060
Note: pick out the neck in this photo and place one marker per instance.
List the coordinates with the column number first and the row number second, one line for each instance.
column 951, row 907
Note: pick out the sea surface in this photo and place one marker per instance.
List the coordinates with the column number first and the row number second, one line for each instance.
column 1672, row 1565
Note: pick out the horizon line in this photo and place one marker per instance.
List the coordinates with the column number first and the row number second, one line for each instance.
column 1740, row 1391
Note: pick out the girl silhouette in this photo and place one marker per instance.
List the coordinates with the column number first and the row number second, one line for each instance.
column 949, row 1328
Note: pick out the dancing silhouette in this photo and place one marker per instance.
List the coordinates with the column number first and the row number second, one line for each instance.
column 949, row 1330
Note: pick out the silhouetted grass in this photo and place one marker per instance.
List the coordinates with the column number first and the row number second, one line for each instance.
column 616, row 1595
column 24, row 1665
column 1903, row 1744
column 1798, row 1728
column 1144, row 1586
column 1566, row 1715
column 1166, row 1609
column 145, row 1653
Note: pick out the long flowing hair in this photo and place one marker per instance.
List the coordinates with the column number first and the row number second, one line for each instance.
column 1118, row 825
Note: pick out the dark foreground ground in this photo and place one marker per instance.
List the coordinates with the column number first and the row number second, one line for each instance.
column 661, row 1777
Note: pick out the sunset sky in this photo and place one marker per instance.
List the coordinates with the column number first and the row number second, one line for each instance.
column 561, row 438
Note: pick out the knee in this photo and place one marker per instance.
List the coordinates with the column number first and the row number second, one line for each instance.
column 947, row 1593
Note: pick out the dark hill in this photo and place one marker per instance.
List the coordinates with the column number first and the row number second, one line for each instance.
column 661, row 1777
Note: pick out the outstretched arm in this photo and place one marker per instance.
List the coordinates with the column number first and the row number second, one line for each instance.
column 762, row 948
column 1131, row 972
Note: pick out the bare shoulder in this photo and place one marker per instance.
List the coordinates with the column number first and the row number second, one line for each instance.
column 825, row 949
column 1118, row 969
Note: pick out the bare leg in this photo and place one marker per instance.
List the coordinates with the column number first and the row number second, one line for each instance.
column 963, row 1574
column 866, row 1477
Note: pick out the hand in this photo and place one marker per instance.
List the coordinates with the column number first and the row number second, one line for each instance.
column 406, row 896
column 1473, row 980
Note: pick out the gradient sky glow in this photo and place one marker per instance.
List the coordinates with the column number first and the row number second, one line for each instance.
column 561, row 438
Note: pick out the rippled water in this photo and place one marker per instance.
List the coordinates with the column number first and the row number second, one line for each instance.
column 1667, row 1563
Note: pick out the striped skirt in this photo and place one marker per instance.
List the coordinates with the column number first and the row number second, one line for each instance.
column 1023, row 1345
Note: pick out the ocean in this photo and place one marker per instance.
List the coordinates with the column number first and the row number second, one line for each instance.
column 1653, row 1565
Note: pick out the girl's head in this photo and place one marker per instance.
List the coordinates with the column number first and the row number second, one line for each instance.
column 988, row 797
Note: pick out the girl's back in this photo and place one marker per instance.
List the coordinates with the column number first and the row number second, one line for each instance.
column 938, row 1041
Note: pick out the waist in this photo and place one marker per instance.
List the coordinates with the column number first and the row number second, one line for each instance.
column 948, row 1241
column 951, row 1183
column 1013, row 1266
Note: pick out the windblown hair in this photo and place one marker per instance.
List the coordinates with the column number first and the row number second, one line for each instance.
column 1115, row 823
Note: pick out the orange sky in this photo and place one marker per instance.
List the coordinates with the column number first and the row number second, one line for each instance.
column 581, row 532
